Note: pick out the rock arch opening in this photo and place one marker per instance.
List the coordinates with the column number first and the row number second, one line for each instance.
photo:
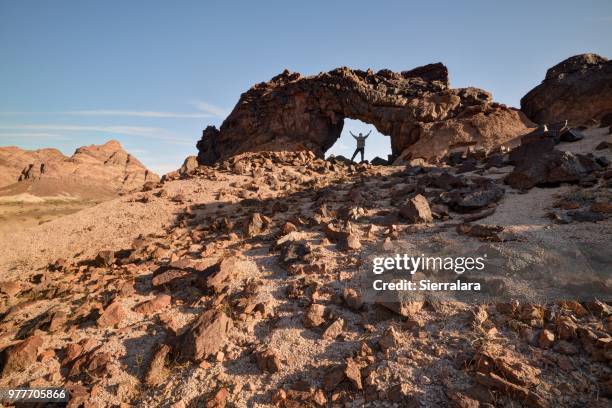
column 376, row 145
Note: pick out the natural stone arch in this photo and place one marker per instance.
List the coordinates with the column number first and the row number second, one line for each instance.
column 293, row 112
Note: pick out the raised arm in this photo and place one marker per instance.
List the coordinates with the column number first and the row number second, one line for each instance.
column 366, row 136
column 352, row 134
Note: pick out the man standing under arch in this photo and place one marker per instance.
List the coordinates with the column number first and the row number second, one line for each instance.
column 360, row 144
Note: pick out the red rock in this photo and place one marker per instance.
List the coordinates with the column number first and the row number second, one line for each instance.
column 403, row 307
column 268, row 361
column 483, row 232
column 349, row 242
column 127, row 289
column 112, row 315
column 168, row 277
column 58, row 321
column 494, row 381
column 576, row 89
column 219, row 400
column 206, row 336
column 416, row 108
column 92, row 172
column 460, row 400
column 229, row 270
column 155, row 372
column 333, row 378
column 314, row 316
column 546, row 338
column 190, row 165
column 73, row 350
column 256, row 225
column 287, row 228
column 47, row 355
column 566, row 328
column 352, row 298
column 353, row 374
column 401, row 393
column 600, row 207
column 105, row 258
column 334, row 329
column 416, row 210
column 10, row 288
column 98, row 363
column 389, row 340
column 20, row 356
column 154, row 305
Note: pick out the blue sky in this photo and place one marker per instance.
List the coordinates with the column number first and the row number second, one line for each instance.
column 153, row 74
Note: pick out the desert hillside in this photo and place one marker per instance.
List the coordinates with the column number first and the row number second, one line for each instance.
column 92, row 172
column 37, row 186
column 237, row 283
column 248, row 277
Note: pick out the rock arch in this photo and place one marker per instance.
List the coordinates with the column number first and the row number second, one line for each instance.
column 422, row 114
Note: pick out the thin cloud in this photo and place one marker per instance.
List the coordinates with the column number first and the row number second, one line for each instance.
column 141, row 114
column 140, row 131
column 204, row 110
column 209, row 108
column 32, row 135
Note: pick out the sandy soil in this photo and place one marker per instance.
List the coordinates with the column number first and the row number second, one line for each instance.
column 19, row 216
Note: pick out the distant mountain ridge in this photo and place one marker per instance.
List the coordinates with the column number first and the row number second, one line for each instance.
column 92, row 172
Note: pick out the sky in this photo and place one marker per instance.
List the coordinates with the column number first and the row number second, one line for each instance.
column 153, row 74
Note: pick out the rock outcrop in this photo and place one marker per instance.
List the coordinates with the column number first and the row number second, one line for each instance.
column 92, row 172
column 14, row 160
column 419, row 111
column 577, row 89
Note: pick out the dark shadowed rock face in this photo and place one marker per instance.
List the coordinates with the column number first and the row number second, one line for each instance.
column 538, row 163
column 578, row 89
column 417, row 109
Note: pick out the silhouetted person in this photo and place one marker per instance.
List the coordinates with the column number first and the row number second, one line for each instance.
column 360, row 144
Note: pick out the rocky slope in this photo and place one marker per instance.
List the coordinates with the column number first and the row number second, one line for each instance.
column 14, row 160
column 92, row 172
column 577, row 89
column 419, row 111
column 239, row 285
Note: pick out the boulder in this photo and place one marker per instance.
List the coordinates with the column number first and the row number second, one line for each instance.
column 577, row 89
column 155, row 372
column 606, row 120
column 20, row 356
column 257, row 224
column 539, row 164
column 112, row 315
column 352, row 298
column 190, row 165
column 315, row 316
column 416, row 210
column 571, row 135
column 334, row 330
column 480, row 194
column 153, row 305
column 268, row 361
column 105, row 258
column 206, row 336
column 228, row 271
column 379, row 161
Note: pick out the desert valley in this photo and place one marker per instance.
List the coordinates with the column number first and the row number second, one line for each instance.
column 238, row 279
